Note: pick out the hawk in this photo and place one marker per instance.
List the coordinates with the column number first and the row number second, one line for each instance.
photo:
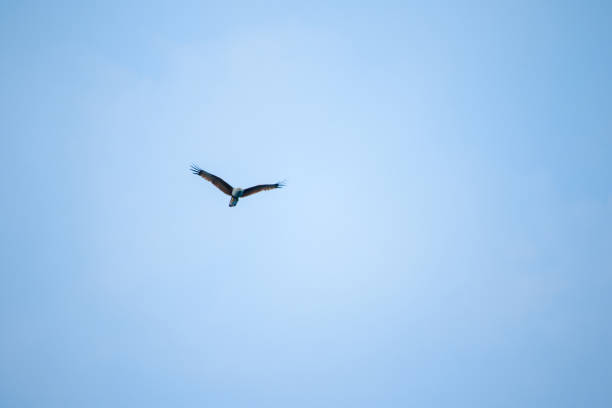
column 234, row 192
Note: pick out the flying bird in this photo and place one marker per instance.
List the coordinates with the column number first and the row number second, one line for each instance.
column 234, row 192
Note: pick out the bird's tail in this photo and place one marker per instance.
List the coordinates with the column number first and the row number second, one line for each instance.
column 233, row 201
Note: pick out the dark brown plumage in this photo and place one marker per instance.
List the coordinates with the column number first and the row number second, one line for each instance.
column 234, row 192
column 261, row 187
column 217, row 181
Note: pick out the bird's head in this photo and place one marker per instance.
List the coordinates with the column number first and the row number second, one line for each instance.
column 236, row 192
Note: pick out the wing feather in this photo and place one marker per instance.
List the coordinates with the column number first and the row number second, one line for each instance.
column 261, row 187
column 217, row 181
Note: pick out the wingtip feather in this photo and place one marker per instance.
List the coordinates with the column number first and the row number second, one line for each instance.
column 195, row 169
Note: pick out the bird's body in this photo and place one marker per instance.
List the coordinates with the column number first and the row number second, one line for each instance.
column 234, row 192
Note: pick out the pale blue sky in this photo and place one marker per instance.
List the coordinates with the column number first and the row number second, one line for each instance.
column 444, row 240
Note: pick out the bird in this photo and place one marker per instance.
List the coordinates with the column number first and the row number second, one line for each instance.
column 235, row 192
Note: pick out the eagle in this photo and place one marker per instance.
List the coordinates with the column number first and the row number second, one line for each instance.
column 234, row 192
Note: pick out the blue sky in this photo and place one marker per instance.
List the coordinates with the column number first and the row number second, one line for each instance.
column 445, row 237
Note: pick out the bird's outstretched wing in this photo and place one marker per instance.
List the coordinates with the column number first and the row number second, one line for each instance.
column 261, row 187
column 217, row 181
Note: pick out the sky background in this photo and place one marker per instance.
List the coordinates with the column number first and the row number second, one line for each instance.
column 444, row 239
